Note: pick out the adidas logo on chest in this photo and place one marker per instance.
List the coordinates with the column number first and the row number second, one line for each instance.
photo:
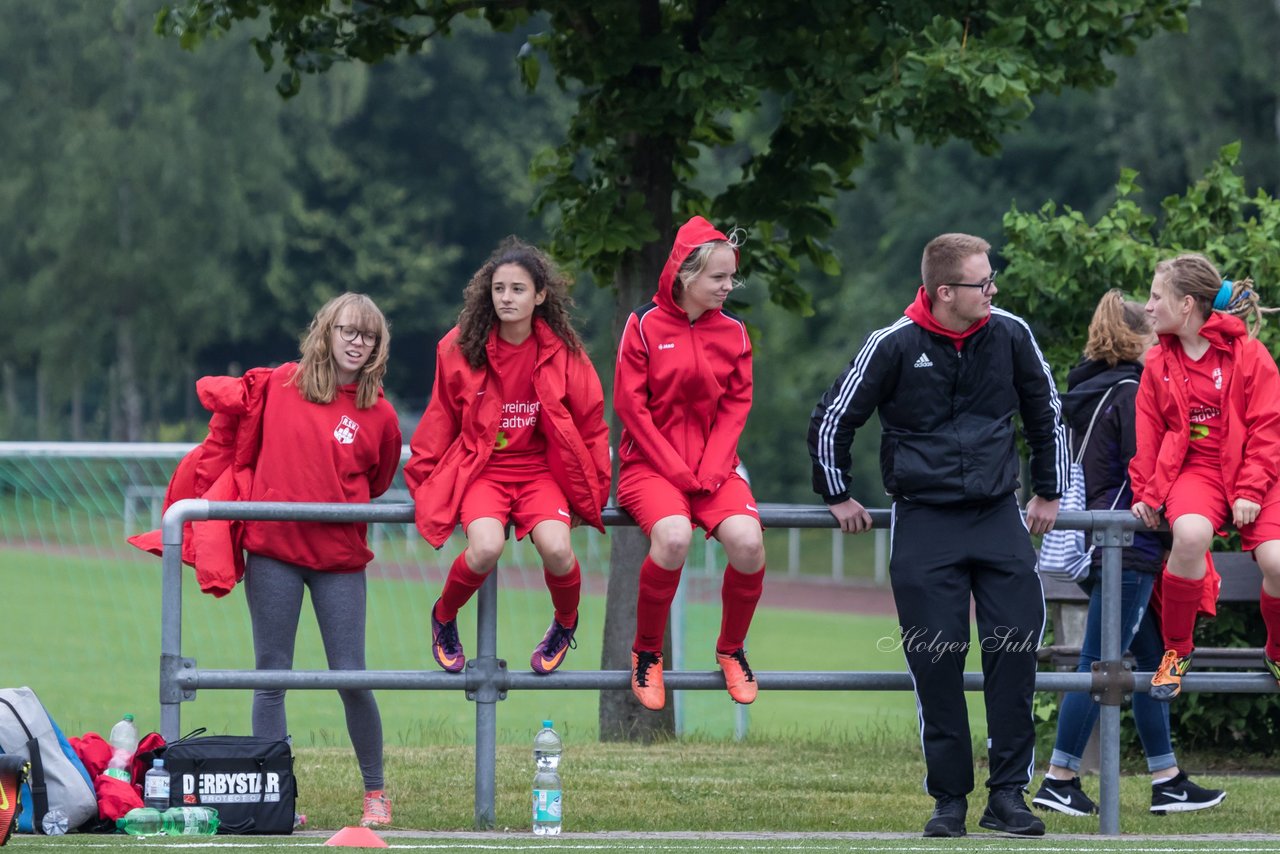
column 923, row 362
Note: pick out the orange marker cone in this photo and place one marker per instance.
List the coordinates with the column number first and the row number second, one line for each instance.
column 356, row 837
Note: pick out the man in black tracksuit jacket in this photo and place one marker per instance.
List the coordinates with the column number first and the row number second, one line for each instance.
column 947, row 380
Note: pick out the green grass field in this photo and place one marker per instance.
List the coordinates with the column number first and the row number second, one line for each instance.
column 672, row 844
column 91, row 631
column 83, row 631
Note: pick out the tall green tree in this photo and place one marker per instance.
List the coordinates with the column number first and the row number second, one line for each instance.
column 658, row 84
column 135, row 189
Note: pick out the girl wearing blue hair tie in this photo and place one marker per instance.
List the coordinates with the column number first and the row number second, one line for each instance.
column 1208, row 448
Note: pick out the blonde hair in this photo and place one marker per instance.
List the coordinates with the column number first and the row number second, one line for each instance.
column 698, row 259
column 1120, row 330
column 945, row 255
column 317, row 374
column 1194, row 275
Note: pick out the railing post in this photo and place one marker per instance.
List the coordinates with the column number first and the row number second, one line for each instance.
column 171, row 661
column 1110, row 672
column 486, row 687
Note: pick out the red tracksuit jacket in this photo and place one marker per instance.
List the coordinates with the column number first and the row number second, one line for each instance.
column 1250, row 453
column 682, row 390
column 456, row 436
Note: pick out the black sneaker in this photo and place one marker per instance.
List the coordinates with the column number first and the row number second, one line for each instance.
column 1182, row 795
column 1064, row 796
column 1008, row 813
column 948, row 817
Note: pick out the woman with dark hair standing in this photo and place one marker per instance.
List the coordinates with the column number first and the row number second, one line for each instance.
column 1208, row 447
column 514, row 434
column 1099, row 406
column 682, row 392
column 328, row 434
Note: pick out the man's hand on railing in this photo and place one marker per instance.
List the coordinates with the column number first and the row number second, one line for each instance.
column 852, row 516
column 1041, row 514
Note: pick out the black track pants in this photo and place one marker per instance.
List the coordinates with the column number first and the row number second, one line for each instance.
column 942, row 555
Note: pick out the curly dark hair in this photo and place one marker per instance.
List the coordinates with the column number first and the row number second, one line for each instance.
column 478, row 315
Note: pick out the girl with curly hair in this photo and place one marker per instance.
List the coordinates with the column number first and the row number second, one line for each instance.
column 514, row 434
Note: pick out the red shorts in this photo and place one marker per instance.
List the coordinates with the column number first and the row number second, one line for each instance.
column 1198, row 490
column 648, row 497
column 521, row 504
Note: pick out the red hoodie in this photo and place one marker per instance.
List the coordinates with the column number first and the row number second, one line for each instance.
column 682, row 389
column 1250, row 452
column 331, row 452
column 921, row 313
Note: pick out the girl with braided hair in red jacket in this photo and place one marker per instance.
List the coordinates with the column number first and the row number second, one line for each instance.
column 1208, row 448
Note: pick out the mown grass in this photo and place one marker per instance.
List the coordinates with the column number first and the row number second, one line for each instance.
column 91, row 631
column 870, row 783
column 84, row 632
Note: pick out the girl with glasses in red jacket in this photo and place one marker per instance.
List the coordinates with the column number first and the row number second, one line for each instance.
column 327, row 434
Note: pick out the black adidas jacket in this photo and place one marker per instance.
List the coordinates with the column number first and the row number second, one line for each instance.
column 947, row 434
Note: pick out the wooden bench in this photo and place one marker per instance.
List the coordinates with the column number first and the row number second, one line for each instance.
column 1068, row 607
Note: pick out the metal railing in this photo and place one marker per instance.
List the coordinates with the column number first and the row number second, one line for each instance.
column 486, row 679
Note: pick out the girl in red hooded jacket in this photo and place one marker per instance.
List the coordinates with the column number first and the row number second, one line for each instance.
column 682, row 392
column 514, row 434
column 1208, row 447
column 328, row 434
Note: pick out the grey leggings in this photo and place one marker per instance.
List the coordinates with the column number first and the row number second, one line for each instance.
column 274, row 591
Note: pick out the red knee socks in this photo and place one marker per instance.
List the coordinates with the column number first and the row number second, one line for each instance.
column 739, row 594
column 459, row 587
column 1270, row 608
column 1179, row 603
column 657, row 589
column 566, row 592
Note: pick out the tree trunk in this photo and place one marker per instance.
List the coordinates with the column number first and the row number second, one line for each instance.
column 128, row 383
column 13, row 413
column 42, row 405
column 77, row 410
column 621, row 715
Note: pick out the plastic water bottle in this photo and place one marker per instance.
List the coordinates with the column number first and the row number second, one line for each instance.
column 547, row 747
column 547, row 806
column 190, row 821
column 55, row 822
column 155, row 786
column 124, row 743
column 143, row 821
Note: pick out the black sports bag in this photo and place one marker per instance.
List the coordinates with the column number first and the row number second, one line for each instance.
column 248, row 780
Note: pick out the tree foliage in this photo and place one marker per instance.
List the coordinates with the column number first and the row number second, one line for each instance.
column 1061, row 262
column 658, row 83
